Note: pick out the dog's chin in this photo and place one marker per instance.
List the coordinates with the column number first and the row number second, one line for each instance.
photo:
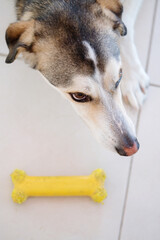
column 105, row 143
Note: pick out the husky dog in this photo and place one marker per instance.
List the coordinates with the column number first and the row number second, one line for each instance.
column 80, row 47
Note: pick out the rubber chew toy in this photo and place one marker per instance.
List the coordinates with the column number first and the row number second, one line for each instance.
column 28, row 186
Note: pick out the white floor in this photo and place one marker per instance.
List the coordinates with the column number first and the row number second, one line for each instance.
column 41, row 134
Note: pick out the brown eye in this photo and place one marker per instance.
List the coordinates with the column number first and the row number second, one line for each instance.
column 120, row 77
column 80, row 97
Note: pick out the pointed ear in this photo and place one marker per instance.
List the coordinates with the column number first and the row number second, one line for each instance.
column 113, row 10
column 19, row 38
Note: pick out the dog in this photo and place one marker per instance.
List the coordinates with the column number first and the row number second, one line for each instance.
column 83, row 49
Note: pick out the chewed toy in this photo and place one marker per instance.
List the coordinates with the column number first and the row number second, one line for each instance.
column 28, row 186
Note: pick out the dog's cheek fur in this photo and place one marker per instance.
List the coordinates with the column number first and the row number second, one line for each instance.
column 30, row 59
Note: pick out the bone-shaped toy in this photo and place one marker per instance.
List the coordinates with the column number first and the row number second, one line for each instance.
column 28, row 186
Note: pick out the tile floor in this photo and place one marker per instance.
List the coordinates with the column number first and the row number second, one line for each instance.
column 40, row 133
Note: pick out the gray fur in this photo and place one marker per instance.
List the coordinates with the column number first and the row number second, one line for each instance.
column 69, row 23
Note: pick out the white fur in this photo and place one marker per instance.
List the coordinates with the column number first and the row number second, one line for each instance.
column 135, row 80
column 91, row 52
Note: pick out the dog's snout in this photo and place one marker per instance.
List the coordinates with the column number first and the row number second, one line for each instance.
column 130, row 147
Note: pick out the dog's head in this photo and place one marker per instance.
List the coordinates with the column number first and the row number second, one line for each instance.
column 74, row 45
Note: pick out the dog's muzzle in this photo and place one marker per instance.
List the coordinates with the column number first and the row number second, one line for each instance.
column 128, row 149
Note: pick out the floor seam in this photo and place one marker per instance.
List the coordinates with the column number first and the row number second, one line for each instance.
column 151, row 35
column 154, row 85
column 128, row 182
column 137, row 127
column 3, row 55
column 126, row 197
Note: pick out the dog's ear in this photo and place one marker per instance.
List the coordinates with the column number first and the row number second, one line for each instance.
column 113, row 10
column 19, row 38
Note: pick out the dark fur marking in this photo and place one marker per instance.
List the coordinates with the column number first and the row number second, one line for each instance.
column 69, row 23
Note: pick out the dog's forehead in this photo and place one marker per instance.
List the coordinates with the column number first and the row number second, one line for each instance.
column 98, row 78
column 85, row 61
column 82, row 47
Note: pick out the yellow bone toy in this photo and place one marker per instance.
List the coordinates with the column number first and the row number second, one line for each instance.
column 27, row 186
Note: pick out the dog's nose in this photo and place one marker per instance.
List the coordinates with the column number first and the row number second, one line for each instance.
column 129, row 149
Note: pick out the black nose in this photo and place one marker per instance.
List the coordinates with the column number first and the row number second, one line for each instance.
column 128, row 149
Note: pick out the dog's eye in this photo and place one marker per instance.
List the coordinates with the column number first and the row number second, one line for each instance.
column 80, row 97
column 120, row 77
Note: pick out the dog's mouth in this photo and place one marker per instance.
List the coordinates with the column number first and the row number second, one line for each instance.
column 128, row 150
